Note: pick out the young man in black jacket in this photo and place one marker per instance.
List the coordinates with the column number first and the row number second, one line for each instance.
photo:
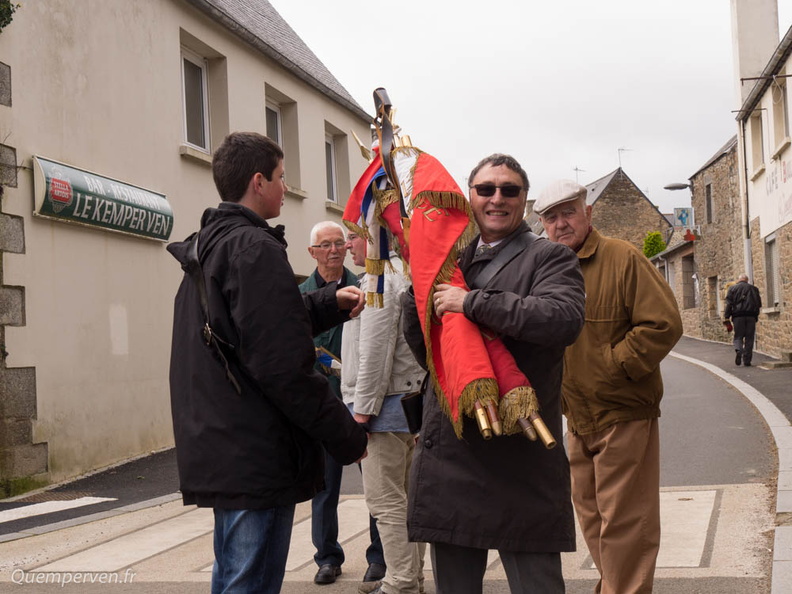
column 743, row 304
column 251, row 415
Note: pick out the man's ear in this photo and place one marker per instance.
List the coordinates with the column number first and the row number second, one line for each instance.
column 255, row 181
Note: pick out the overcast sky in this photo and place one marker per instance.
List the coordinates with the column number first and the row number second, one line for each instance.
column 559, row 85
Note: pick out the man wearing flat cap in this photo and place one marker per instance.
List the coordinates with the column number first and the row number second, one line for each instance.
column 611, row 392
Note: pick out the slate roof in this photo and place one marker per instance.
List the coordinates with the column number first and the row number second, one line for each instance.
column 724, row 150
column 596, row 188
column 259, row 24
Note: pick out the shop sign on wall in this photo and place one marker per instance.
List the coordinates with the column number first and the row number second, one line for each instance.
column 73, row 195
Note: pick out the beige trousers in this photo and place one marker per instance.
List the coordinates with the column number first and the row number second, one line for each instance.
column 616, row 492
column 385, row 474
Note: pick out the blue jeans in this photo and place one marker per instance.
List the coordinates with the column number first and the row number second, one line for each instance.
column 251, row 547
column 324, row 522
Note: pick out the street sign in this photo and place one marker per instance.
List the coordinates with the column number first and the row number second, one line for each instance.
column 72, row 195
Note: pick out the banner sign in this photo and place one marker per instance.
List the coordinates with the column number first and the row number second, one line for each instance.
column 72, row 195
column 683, row 217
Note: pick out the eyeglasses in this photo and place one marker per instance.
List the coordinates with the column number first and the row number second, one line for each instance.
column 487, row 190
column 326, row 245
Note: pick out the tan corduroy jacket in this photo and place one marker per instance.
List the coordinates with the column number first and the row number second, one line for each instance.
column 612, row 371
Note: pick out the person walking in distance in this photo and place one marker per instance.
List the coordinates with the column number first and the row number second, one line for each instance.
column 743, row 304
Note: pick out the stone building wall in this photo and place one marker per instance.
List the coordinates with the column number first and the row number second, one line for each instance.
column 774, row 330
column 678, row 267
column 623, row 211
column 719, row 249
column 23, row 463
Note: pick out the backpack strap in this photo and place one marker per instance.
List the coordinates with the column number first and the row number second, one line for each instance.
column 193, row 268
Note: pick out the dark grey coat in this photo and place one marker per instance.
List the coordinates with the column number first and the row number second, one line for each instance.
column 507, row 493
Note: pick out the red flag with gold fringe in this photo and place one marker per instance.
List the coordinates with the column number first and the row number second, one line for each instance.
column 414, row 198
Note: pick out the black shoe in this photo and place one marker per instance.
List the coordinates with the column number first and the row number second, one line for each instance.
column 374, row 573
column 327, row 574
column 747, row 363
column 738, row 358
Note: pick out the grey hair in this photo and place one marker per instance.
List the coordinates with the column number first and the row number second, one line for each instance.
column 325, row 225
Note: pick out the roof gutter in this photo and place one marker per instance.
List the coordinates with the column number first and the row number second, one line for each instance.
column 219, row 16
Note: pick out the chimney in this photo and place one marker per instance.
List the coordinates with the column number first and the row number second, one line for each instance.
column 754, row 39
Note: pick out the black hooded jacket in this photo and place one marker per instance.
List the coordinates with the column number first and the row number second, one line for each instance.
column 263, row 447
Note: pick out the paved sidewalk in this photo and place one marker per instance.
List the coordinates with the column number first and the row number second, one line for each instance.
column 770, row 391
column 716, row 536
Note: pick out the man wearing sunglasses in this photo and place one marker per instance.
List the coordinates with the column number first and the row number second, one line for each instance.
column 611, row 392
column 508, row 493
column 329, row 248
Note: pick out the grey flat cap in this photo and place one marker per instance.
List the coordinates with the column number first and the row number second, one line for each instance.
column 557, row 192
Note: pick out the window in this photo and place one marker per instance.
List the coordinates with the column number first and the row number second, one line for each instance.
column 337, row 175
column 281, row 125
column 330, row 169
column 672, row 274
column 708, row 202
column 713, row 298
column 757, row 142
column 688, row 283
column 772, row 280
column 274, row 125
column 778, row 92
column 196, row 104
column 204, row 85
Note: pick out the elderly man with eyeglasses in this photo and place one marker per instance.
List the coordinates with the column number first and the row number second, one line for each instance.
column 329, row 247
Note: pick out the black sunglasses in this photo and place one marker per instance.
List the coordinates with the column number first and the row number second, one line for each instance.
column 487, row 190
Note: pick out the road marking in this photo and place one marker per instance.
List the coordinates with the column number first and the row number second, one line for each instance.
column 684, row 522
column 48, row 507
column 685, row 518
column 137, row 546
column 353, row 523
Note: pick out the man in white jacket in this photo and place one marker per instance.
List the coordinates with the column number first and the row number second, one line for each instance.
column 378, row 368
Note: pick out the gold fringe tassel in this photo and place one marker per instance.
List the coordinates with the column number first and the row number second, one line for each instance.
column 374, row 300
column 484, row 389
column 375, row 267
column 442, row 200
column 355, row 228
column 518, row 403
column 383, row 199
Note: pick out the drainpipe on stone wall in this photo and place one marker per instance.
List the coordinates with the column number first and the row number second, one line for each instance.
column 747, row 249
column 665, row 267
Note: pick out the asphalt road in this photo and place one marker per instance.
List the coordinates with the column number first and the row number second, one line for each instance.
column 709, row 433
